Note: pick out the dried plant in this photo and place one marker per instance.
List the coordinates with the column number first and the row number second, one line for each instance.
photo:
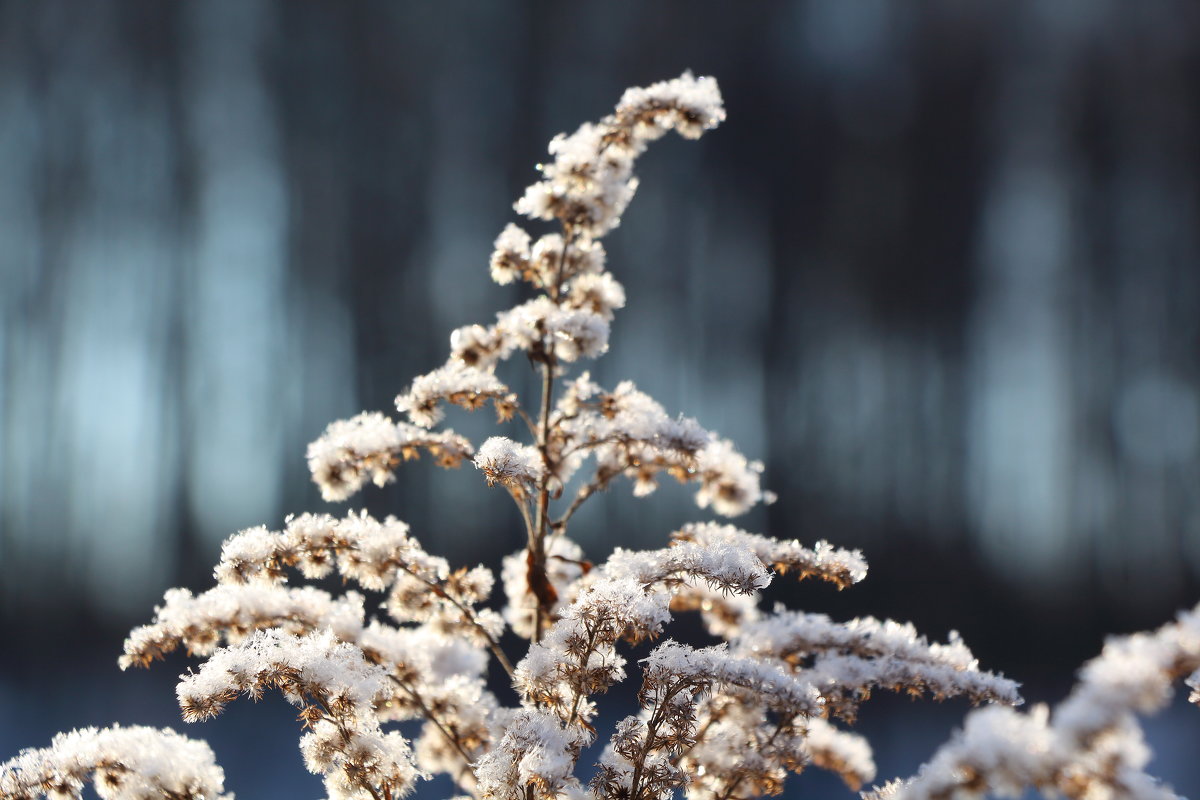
column 725, row 722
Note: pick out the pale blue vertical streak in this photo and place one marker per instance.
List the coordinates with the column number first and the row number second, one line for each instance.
column 235, row 318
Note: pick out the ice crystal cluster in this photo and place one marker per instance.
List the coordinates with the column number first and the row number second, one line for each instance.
column 728, row 721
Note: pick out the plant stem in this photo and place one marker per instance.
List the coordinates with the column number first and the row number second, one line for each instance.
column 656, row 719
column 539, row 584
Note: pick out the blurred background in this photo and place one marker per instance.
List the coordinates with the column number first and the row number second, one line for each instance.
column 940, row 271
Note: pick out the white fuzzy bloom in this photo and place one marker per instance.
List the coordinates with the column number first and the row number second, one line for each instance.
column 355, row 761
column 425, row 651
column 318, row 660
column 729, row 482
column 1014, row 749
column 615, row 775
column 847, row 754
column 338, row 692
column 865, row 652
column 629, row 598
column 634, row 415
column 600, row 294
column 569, row 333
column 824, row 561
column 369, row 447
column 590, row 181
column 510, row 258
column 548, row 259
column 477, row 346
column 588, row 184
column 534, row 752
column 231, row 612
column 704, row 667
column 360, row 547
column 1132, row 674
column 515, row 466
column 629, row 434
column 586, row 257
column 556, row 671
column 457, row 383
column 723, row 614
column 133, row 763
column 472, row 711
column 739, row 745
column 724, row 567
column 1001, row 752
column 696, row 104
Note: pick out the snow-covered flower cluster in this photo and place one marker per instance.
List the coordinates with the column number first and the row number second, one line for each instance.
column 729, row 721
column 133, row 763
column 1091, row 745
column 370, row 447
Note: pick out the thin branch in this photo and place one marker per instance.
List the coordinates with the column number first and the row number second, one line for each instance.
column 728, row 793
column 597, row 483
column 656, row 719
column 697, row 739
column 584, row 657
column 529, row 423
column 429, row 715
column 469, row 616
column 337, row 722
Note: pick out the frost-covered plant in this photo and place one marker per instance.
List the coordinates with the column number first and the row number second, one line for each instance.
column 723, row 722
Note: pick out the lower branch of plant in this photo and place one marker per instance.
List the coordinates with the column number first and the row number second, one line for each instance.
column 427, row 712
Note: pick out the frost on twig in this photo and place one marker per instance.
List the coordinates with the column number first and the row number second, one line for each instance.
column 228, row 613
column 628, row 600
column 547, row 261
column 379, row 556
column 574, row 328
column 1001, row 752
column 641, row 760
column 459, row 384
column 845, row 661
column 724, row 614
column 590, row 181
column 628, row 433
column 370, row 447
column 435, row 668
column 534, row 759
column 740, row 751
column 133, row 763
column 1091, row 746
column 337, row 692
column 824, row 561
column 358, row 547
